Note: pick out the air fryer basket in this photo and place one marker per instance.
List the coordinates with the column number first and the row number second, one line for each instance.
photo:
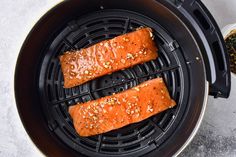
column 187, row 61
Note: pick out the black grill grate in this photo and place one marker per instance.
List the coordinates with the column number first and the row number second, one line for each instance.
column 136, row 139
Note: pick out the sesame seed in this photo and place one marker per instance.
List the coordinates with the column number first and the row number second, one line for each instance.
column 136, row 88
column 150, row 33
column 127, row 111
column 125, row 39
column 162, row 97
column 107, row 65
column 101, row 44
column 72, row 66
column 150, row 109
column 72, row 74
column 95, row 118
column 122, row 60
column 83, row 116
column 90, row 114
column 132, row 112
column 129, row 56
column 73, row 58
column 86, row 72
column 106, row 45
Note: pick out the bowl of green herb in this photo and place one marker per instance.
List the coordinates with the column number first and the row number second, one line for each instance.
column 229, row 33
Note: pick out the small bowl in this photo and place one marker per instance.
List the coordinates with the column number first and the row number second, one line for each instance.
column 227, row 31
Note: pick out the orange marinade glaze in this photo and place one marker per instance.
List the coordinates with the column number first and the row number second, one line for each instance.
column 108, row 56
column 118, row 110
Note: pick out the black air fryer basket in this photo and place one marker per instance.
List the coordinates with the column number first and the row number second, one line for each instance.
column 192, row 60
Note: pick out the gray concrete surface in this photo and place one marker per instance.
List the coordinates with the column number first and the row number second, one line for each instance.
column 215, row 138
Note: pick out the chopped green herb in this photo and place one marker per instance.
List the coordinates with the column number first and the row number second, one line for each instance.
column 231, row 48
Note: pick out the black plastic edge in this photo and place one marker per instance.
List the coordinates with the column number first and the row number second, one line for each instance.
column 217, row 59
column 222, row 86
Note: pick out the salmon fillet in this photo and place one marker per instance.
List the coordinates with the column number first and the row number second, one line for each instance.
column 107, row 56
column 118, row 110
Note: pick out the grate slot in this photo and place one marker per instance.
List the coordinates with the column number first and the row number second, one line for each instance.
column 80, row 38
column 69, row 44
column 88, row 145
column 50, row 71
column 109, row 150
column 147, row 132
column 116, row 84
column 116, row 21
column 98, row 38
column 130, row 140
column 49, row 93
column 97, row 30
column 68, row 132
column 132, row 147
column 94, row 23
column 117, row 29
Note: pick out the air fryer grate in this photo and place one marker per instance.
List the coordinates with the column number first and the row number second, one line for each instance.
column 136, row 139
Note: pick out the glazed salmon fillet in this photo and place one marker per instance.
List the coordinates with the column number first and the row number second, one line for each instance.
column 108, row 56
column 118, row 110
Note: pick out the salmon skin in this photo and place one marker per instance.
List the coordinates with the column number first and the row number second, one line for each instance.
column 118, row 110
column 108, row 56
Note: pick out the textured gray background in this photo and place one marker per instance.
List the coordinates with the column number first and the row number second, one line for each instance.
column 215, row 138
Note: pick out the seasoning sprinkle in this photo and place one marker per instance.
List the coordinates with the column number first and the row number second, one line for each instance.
column 86, row 72
column 129, row 56
column 95, row 117
column 106, row 45
column 125, row 39
column 122, row 60
column 72, row 73
column 72, row 66
column 136, row 88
